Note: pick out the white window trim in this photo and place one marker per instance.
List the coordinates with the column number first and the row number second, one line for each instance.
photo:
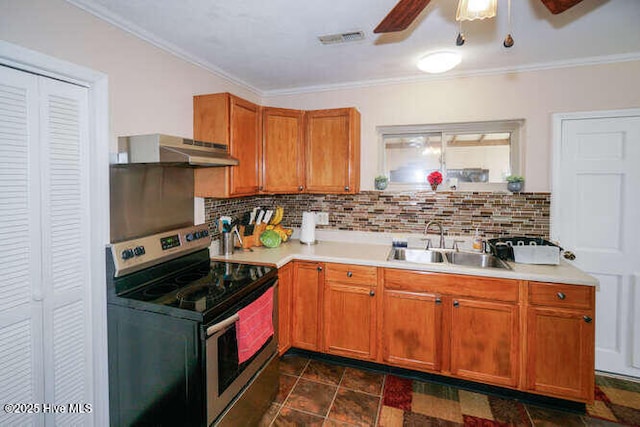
column 515, row 127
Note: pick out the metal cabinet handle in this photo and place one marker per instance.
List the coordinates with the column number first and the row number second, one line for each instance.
column 319, row 268
column 456, row 303
column 349, row 274
column 587, row 319
column 372, row 293
column 560, row 295
column 300, row 188
column 346, row 188
column 438, row 300
column 261, row 188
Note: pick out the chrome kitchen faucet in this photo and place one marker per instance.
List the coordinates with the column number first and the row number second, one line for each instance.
column 426, row 231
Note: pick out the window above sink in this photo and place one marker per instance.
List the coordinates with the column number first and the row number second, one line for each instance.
column 474, row 156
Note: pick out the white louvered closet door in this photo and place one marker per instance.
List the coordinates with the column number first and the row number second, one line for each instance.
column 45, row 323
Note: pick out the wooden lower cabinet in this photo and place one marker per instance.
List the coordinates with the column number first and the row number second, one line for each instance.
column 485, row 341
column 411, row 330
column 350, row 311
column 306, row 313
column 560, row 341
column 535, row 337
column 285, row 289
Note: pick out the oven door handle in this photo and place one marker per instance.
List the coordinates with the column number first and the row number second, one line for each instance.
column 222, row 325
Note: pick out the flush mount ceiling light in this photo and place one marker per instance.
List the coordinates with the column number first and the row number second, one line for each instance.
column 469, row 10
column 439, row 62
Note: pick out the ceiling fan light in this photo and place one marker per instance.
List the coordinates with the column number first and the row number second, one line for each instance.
column 468, row 10
column 439, row 62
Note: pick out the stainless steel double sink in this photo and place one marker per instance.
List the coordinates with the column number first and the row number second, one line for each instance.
column 430, row 256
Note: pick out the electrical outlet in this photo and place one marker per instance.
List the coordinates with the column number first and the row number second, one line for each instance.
column 322, row 218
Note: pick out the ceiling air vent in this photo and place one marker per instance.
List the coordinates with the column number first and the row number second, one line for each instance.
column 352, row 36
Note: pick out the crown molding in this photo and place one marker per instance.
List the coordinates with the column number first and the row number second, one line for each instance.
column 422, row 78
column 130, row 27
column 134, row 29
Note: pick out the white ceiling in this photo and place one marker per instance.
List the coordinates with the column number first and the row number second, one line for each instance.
column 272, row 46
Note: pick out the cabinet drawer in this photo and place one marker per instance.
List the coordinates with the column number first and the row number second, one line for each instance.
column 356, row 274
column 557, row 295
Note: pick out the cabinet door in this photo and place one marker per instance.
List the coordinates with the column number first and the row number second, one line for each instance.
column 224, row 118
column 350, row 320
column 245, row 146
column 282, row 151
column 484, row 341
column 285, row 285
column 411, row 330
column 560, row 352
column 333, row 151
column 306, row 305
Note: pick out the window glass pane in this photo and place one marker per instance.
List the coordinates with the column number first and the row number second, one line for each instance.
column 411, row 157
column 478, row 157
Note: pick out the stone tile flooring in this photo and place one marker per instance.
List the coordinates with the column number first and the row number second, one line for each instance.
column 317, row 393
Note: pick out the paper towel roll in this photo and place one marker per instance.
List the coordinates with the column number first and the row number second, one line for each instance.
column 308, row 229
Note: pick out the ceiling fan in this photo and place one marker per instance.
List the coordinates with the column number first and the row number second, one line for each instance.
column 406, row 11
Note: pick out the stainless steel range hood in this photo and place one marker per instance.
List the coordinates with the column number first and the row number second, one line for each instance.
column 166, row 149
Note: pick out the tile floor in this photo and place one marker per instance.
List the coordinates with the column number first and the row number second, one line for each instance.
column 317, row 393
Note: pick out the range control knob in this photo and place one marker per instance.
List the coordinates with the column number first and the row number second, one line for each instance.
column 190, row 237
column 139, row 250
column 205, row 232
column 198, row 234
column 127, row 254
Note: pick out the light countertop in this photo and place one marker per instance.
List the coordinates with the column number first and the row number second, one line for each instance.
column 375, row 254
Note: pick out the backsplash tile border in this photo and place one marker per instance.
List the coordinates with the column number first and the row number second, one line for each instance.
column 495, row 214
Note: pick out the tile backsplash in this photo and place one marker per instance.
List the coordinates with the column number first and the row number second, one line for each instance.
column 494, row 214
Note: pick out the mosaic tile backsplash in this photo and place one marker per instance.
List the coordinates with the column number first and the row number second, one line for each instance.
column 494, row 214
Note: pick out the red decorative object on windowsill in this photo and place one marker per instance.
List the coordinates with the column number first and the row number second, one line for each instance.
column 435, row 179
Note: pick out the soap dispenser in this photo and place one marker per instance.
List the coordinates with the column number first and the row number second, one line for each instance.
column 477, row 241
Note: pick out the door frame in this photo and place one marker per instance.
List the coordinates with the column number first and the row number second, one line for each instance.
column 557, row 119
column 24, row 59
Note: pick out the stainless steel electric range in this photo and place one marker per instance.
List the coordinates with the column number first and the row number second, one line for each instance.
column 173, row 352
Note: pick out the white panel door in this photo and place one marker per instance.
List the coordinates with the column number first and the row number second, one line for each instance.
column 45, row 290
column 596, row 214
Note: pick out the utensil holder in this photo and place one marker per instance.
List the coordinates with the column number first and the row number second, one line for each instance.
column 226, row 243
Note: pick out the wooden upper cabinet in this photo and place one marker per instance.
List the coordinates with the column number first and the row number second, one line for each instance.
column 283, row 150
column 225, row 118
column 333, row 151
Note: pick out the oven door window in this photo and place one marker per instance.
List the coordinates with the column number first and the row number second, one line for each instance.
column 228, row 367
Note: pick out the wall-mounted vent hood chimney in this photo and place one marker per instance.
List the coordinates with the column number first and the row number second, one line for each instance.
column 166, row 149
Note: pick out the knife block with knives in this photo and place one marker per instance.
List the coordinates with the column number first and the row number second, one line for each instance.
column 252, row 239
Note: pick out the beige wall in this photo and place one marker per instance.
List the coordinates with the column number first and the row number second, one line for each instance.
column 532, row 96
column 150, row 90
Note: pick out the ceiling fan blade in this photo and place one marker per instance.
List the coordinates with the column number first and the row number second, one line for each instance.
column 559, row 6
column 401, row 16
